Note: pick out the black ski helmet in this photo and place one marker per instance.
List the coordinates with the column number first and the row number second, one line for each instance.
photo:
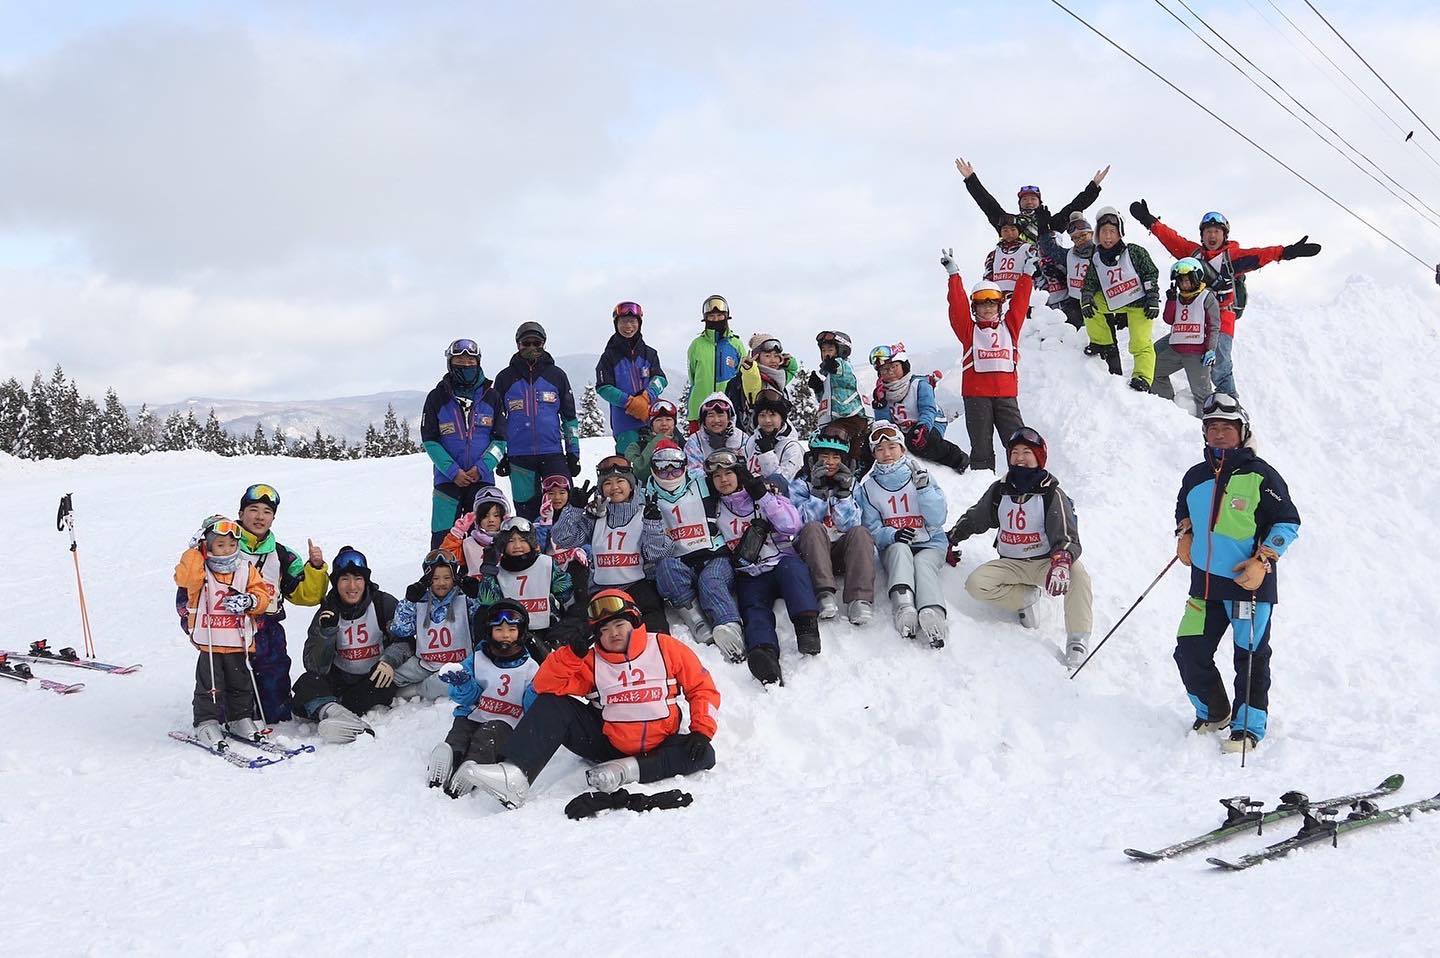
column 841, row 341
column 530, row 329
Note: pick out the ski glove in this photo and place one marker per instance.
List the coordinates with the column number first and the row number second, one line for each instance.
column 237, row 603
column 1152, row 310
column 754, row 486
column 1058, row 581
column 1141, row 211
column 502, row 468
column 816, row 383
column 1087, row 310
column 326, row 620
column 580, row 495
column 453, row 673
column 947, row 260
column 903, row 536
column 638, row 406
column 956, row 536
column 580, row 639
column 415, row 591
column 921, row 477
column 877, row 399
column 829, row 367
column 1184, row 539
column 1209, row 358
column 1252, row 572
column 1301, row 248
column 573, row 458
column 652, row 509
column 694, row 745
column 764, row 443
column 918, row 435
column 383, row 674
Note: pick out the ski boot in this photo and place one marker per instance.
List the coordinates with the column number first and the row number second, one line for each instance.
column 730, row 640
column 934, row 626
column 1029, row 615
column 1237, row 742
column 807, row 634
column 1206, row 726
column 441, row 764
column 764, row 661
column 829, row 608
column 859, row 612
column 502, row 780
column 695, row 620
column 907, row 620
column 608, row 776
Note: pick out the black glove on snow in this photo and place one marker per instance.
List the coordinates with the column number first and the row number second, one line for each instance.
column 694, row 745
column 1141, row 211
column 1301, row 248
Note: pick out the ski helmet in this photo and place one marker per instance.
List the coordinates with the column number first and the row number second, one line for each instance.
column 828, row 442
column 260, row 492
column 1109, row 215
column 1025, row 436
column 897, row 353
column 530, row 330
column 986, row 292
column 717, row 400
column 1213, row 218
column 1188, row 269
column 488, row 496
column 714, row 304
column 436, row 558
column 627, row 308
column 610, row 604
column 514, row 526
column 885, row 431
column 1028, row 191
column 1078, row 224
column 506, row 612
column 773, row 400
column 667, row 462
column 1007, row 219
column 215, row 527
column 663, row 407
column 841, row 341
column 1227, row 407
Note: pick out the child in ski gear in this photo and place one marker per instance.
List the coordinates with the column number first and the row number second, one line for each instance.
column 555, row 495
column 833, row 539
column 463, row 433
column 302, row 581
column 718, row 431
column 434, row 622
column 713, row 358
column 908, row 401
column 350, row 658
column 1038, row 542
column 1011, row 258
column 663, row 424
column 1070, row 265
column 767, row 366
column 837, row 392
column 538, row 413
column 758, row 525
column 526, row 575
column 1121, row 288
column 905, row 514
column 219, row 596
column 1228, row 262
column 696, row 576
column 471, row 540
column 491, row 690
column 1234, row 520
column 990, row 381
column 639, row 677
column 1028, row 199
column 628, row 375
column 772, row 450
column 626, row 536
column 1193, row 314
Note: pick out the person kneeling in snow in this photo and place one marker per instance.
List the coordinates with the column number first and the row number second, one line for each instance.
column 1038, row 542
column 491, row 690
column 350, row 659
column 772, row 450
column 436, row 617
column 635, row 734
column 1232, row 580
column 906, row 517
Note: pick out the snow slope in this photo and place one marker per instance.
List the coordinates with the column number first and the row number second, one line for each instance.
column 967, row 801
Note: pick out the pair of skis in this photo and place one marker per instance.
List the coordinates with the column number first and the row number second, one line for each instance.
column 1319, row 823
column 270, row 753
column 16, row 666
column 21, row 672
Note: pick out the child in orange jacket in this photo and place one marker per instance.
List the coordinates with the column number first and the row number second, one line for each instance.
column 635, row 734
column 220, row 596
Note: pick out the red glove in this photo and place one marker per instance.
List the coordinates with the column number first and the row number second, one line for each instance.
column 1058, row 581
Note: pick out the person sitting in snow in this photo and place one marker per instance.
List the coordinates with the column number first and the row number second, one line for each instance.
column 664, row 424
column 1192, row 312
column 1038, row 542
column 471, row 541
column 434, row 623
column 526, row 575
column 772, row 451
column 638, row 677
column 717, row 431
column 834, row 540
column 908, row 401
column 350, row 657
column 491, row 690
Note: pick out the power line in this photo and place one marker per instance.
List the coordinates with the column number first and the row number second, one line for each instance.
column 1371, row 69
column 1302, row 106
column 1291, row 170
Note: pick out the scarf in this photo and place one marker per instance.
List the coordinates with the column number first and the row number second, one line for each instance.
column 894, row 392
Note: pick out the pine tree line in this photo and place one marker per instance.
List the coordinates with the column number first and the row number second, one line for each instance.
column 51, row 420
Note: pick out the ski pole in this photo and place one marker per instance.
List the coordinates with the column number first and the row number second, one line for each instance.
column 1173, row 560
column 65, row 521
column 1249, row 671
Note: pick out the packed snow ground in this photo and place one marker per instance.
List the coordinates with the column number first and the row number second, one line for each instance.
column 888, row 798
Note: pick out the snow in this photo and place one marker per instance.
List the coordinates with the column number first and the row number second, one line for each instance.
column 889, row 797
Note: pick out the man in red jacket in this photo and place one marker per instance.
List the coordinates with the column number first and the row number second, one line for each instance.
column 990, row 381
column 635, row 734
column 1228, row 263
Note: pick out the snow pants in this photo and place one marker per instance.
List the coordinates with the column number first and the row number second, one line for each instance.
column 916, row 569
column 414, row 680
column 478, row 742
column 984, row 414
column 624, row 440
column 1168, row 362
column 356, row 692
column 711, row 581
column 556, row 720
column 448, row 502
column 526, row 472
column 1201, row 628
column 271, row 663
column 1223, row 373
column 789, row 580
column 852, row 555
column 1142, row 348
column 647, row 597
column 234, row 695
column 1011, row 584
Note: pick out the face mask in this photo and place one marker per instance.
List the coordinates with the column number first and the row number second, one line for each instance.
column 1024, row 478
column 466, row 377
column 223, row 563
column 517, row 563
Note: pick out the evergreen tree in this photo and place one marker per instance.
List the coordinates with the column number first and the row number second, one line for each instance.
column 684, row 406
column 804, row 407
column 212, row 437
column 114, row 433
column 172, row 434
column 259, row 445
column 592, row 421
column 87, row 427
column 147, row 431
column 192, row 431
column 64, row 399
column 389, row 440
column 373, row 448
column 39, row 437
column 13, row 403
column 279, row 445
column 407, row 445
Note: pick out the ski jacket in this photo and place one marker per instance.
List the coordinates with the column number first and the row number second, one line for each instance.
column 998, row 382
column 667, row 500
column 537, row 408
column 920, row 406
column 712, row 361
column 565, row 673
column 887, row 479
column 778, row 455
column 1144, row 266
column 290, row 576
column 1060, row 528
column 628, row 368
column 427, row 609
column 1028, row 221
column 1236, row 502
column 840, row 513
column 190, row 584
column 784, row 521
column 1207, row 305
column 642, row 450
column 702, row 443
column 467, row 694
column 1070, row 264
column 319, row 654
column 562, row 587
column 576, row 527
column 741, row 390
column 837, row 394
column 1230, row 264
column 459, row 433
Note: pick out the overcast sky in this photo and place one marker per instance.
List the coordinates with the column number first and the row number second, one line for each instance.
column 300, row 200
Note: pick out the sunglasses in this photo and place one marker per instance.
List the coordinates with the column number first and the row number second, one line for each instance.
column 463, row 347
column 607, row 605
column 505, row 617
column 348, row 558
column 530, row 342
column 628, row 309
column 262, row 492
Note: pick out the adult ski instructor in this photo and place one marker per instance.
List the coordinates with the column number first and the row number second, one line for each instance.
column 462, row 434
column 537, row 412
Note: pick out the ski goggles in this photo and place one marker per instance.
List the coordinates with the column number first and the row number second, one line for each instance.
column 349, row 560
column 832, row 336
column 614, row 466
column 1108, row 219
column 722, row 405
column 463, row 347
column 1220, row 404
column 1032, row 190
column 262, row 492
column 721, row 459
column 224, row 527
column 1027, row 436
column 438, row 557
column 1081, row 225
column 770, row 346
column 1213, row 218
column 551, row 483
column 885, row 432
column 505, row 617
column 671, row 466
column 663, row 407
column 627, row 309
column 881, row 355
column 518, row 524
column 716, row 304
column 606, row 605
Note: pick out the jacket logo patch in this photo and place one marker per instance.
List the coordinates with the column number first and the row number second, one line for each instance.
column 515, row 405
column 1239, row 503
column 447, row 429
column 1278, row 541
column 730, row 361
column 548, row 396
column 487, row 420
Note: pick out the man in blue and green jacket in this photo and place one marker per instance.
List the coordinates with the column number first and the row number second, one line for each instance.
column 628, row 376
column 463, row 434
column 537, row 419
column 1234, row 520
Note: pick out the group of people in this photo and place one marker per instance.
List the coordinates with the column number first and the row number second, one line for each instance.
column 546, row 616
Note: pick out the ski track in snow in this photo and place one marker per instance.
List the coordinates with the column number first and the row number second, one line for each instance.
column 966, row 801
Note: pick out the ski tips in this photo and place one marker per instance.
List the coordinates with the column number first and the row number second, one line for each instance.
column 1140, row 856
column 1393, row 782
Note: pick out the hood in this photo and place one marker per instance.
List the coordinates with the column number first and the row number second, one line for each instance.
column 523, row 366
column 639, row 639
